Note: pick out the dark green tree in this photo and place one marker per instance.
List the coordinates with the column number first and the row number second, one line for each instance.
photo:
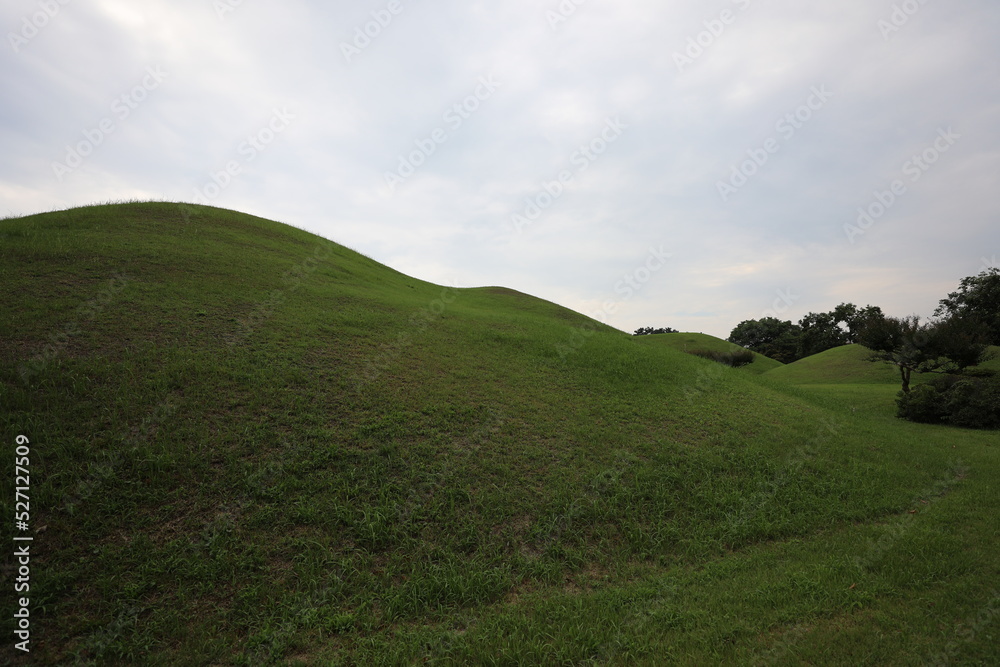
column 769, row 336
column 852, row 319
column 978, row 298
column 945, row 346
column 820, row 332
column 841, row 326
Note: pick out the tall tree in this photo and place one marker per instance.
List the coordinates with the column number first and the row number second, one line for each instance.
column 840, row 326
column 853, row 319
column 945, row 346
column 815, row 333
column 769, row 336
column 978, row 297
column 820, row 332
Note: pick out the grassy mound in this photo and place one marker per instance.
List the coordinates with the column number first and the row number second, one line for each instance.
column 848, row 365
column 250, row 445
column 840, row 365
column 695, row 342
column 993, row 363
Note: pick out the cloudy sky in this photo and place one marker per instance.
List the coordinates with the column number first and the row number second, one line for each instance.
column 667, row 163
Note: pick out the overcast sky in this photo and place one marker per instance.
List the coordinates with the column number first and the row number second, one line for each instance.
column 689, row 164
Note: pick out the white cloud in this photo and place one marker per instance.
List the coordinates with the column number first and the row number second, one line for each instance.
column 657, row 184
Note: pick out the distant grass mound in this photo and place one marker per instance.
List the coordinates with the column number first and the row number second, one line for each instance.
column 847, row 365
column 840, row 365
column 994, row 363
column 693, row 343
column 250, row 445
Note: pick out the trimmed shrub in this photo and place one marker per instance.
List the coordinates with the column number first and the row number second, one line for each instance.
column 974, row 403
column 924, row 405
column 968, row 402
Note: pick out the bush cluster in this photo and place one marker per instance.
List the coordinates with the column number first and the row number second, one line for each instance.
column 647, row 331
column 736, row 358
column 959, row 400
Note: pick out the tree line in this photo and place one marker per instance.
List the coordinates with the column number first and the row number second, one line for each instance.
column 973, row 309
column 786, row 342
column 952, row 345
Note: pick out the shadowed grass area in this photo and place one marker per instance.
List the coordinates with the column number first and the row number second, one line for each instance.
column 250, row 445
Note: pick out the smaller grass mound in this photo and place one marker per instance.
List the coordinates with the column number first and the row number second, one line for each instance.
column 993, row 363
column 849, row 364
column 841, row 365
column 713, row 348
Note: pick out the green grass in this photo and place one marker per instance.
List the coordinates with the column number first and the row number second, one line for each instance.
column 693, row 342
column 845, row 364
column 993, row 363
column 849, row 364
column 250, row 445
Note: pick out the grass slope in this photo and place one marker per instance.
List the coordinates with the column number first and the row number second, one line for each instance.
column 250, row 445
column 993, row 363
column 687, row 342
column 848, row 365
column 845, row 364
